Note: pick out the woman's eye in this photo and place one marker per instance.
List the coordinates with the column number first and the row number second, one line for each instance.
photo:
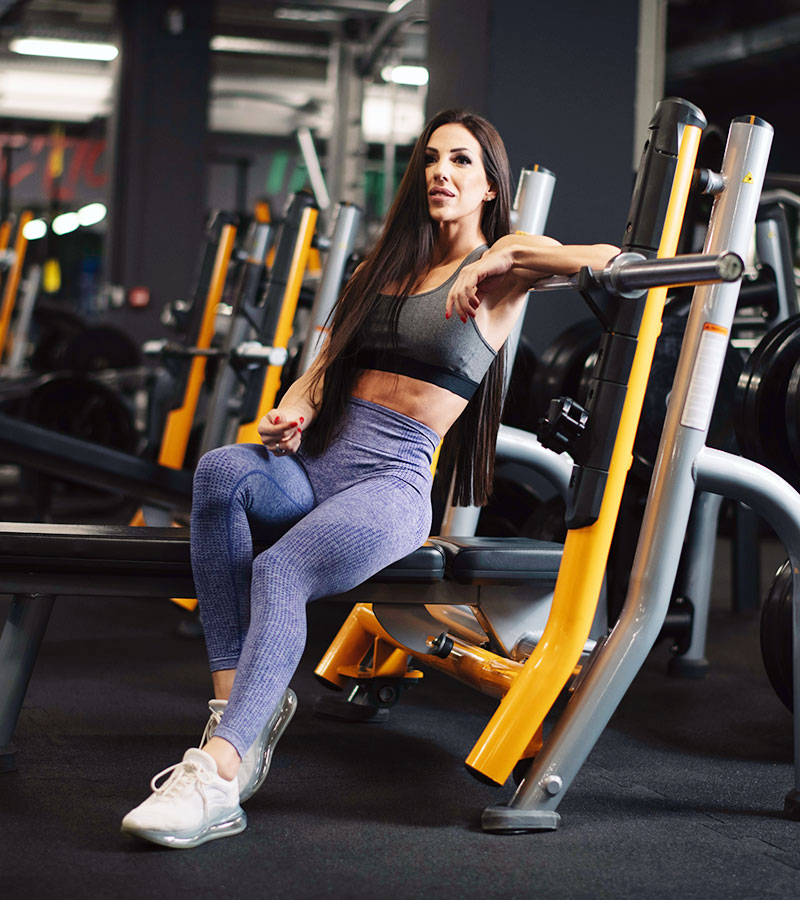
column 429, row 160
column 463, row 160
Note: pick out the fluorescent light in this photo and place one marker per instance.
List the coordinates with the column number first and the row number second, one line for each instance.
column 308, row 15
column 416, row 75
column 91, row 214
column 35, row 229
column 225, row 43
column 63, row 49
column 65, row 223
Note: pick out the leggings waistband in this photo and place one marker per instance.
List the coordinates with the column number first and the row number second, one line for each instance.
column 397, row 417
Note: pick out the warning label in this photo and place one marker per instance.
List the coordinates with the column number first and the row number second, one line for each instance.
column 705, row 376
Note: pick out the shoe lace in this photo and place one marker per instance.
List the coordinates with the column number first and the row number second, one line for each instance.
column 183, row 774
column 211, row 725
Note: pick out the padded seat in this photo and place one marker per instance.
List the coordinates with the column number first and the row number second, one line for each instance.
column 500, row 560
column 126, row 561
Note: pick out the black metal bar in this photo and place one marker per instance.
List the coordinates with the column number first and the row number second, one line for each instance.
column 19, row 645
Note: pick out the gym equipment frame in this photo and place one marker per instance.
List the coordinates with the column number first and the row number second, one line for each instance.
column 684, row 465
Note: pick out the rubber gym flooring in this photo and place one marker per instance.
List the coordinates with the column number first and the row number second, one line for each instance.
column 680, row 798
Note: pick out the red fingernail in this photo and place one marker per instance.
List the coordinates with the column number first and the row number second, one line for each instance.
column 463, row 318
column 299, row 430
column 302, row 419
column 447, row 315
column 277, row 418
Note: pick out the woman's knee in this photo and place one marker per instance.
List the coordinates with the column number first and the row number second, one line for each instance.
column 223, row 467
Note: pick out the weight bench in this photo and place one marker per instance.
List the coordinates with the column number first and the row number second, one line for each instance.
column 40, row 562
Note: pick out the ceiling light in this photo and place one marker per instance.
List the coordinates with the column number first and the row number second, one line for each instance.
column 414, row 75
column 35, row 229
column 307, row 15
column 91, row 214
column 227, row 43
column 63, row 49
column 65, row 223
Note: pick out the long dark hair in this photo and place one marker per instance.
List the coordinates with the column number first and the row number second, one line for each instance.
column 401, row 256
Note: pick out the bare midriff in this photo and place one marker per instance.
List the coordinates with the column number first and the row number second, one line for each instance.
column 434, row 406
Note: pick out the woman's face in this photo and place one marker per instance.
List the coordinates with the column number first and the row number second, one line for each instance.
column 456, row 181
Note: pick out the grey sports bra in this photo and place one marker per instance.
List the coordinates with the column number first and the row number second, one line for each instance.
column 445, row 352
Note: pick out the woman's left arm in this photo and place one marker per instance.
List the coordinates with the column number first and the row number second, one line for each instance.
column 511, row 266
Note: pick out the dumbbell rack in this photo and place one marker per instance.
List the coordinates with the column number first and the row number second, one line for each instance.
column 684, row 466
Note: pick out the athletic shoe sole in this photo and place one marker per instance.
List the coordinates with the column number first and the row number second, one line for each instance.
column 270, row 737
column 212, row 832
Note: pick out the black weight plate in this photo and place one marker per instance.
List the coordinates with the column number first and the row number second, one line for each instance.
column 53, row 329
column 776, row 635
column 562, row 364
column 793, row 412
column 517, row 410
column 510, row 504
column 100, row 347
column 765, row 405
column 721, row 434
column 749, row 431
column 547, row 522
column 83, row 409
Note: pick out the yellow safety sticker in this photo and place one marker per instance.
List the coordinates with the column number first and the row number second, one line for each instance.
column 748, row 179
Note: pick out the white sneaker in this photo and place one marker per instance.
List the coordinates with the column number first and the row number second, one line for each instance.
column 194, row 805
column 255, row 765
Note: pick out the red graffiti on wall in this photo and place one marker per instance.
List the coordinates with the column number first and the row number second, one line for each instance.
column 35, row 164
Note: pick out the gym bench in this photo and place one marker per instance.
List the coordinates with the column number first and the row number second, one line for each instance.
column 40, row 562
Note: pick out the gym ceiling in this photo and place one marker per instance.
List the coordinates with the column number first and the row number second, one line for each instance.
column 711, row 45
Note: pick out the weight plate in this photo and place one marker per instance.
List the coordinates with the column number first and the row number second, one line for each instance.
column 792, row 411
column 83, row 409
column 518, row 407
column 721, row 434
column 100, row 347
column 776, row 635
column 762, row 418
column 562, row 364
column 510, row 505
column 53, row 329
column 747, row 390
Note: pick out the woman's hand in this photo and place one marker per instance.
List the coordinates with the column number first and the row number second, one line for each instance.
column 475, row 281
column 280, row 432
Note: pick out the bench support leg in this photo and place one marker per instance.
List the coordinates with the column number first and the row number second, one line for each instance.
column 19, row 645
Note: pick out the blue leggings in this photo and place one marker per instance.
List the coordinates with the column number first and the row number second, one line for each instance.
column 331, row 522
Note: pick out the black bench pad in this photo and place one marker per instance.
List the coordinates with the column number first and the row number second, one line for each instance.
column 132, row 561
column 492, row 560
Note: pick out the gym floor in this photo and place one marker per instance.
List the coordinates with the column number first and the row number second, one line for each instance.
column 681, row 797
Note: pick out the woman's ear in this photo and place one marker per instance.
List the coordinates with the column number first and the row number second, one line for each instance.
column 491, row 193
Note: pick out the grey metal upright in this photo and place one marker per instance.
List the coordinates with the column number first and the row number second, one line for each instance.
column 531, row 207
column 343, row 237
column 619, row 658
column 222, row 420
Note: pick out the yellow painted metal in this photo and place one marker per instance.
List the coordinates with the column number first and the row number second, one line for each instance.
column 248, row 432
column 347, row 648
column 12, row 280
column 5, row 234
column 479, row 668
column 387, row 661
column 179, row 422
column 586, row 549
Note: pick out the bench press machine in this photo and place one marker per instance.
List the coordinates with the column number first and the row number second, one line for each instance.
column 39, row 562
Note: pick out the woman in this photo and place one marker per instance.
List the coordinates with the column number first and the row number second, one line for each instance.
column 341, row 486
